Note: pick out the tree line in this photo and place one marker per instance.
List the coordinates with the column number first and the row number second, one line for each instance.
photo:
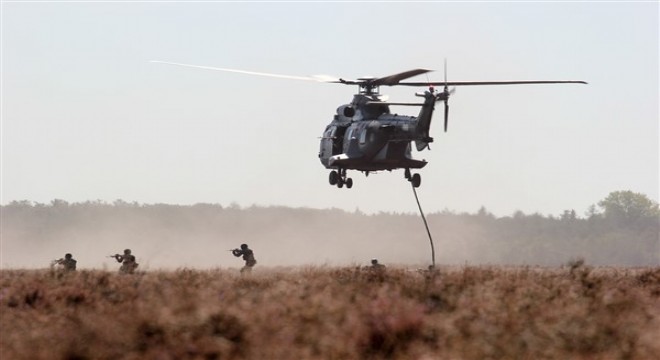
column 622, row 229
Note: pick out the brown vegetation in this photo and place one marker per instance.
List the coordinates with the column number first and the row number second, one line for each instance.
column 573, row 311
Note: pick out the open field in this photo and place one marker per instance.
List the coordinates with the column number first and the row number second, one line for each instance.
column 466, row 312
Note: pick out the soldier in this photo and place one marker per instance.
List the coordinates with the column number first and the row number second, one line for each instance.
column 68, row 263
column 248, row 256
column 128, row 264
column 376, row 266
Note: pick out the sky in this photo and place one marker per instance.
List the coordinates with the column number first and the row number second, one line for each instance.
column 86, row 115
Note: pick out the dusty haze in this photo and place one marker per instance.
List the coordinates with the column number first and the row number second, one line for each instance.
column 171, row 236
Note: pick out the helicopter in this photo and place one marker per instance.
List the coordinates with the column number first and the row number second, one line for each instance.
column 365, row 136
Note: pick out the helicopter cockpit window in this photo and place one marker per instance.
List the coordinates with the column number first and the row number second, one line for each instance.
column 363, row 136
column 349, row 136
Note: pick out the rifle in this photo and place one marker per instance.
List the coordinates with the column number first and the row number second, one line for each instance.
column 55, row 262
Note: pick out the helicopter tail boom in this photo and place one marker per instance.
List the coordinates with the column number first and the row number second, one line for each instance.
column 424, row 121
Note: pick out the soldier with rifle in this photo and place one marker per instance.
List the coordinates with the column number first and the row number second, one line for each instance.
column 67, row 263
column 248, row 256
column 128, row 263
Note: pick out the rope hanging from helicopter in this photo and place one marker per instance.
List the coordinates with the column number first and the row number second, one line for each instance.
column 427, row 227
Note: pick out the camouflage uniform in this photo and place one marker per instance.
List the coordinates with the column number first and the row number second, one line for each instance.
column 248, row 256
column 68, row 263
column 128, row 263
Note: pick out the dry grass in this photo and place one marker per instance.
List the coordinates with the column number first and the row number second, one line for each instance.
column 333, row 313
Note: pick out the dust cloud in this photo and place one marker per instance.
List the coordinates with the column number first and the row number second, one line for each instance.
column 165, row 236
column 200, row 236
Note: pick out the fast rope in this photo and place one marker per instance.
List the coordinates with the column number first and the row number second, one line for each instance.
column 426, row 225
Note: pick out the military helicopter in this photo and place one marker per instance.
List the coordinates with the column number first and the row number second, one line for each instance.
column 365, row 136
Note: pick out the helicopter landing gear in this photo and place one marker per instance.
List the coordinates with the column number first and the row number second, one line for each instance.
column 415, row 179
column 339, row 178
column 334, row 177
column 349, row 183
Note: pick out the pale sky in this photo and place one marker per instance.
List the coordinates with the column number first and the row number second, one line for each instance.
column 86, row 116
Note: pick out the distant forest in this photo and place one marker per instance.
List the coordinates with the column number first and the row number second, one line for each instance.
column 622, row 229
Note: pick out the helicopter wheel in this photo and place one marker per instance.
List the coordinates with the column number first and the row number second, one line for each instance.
column 338, row 177
column 334, row 177
column 416, row 180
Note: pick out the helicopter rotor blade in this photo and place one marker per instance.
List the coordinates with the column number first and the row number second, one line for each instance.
column 390, row 80
column 326, row 78
column 446, row 115
column 446, row 94
column 472, row 83
column 317, row 78
column 395, row 78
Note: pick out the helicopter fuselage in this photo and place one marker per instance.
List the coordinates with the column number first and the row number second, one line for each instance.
column 370, row 145
column 365, row 136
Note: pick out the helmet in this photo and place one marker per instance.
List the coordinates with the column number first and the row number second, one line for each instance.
column 244, row 246
column 127, row 251
column 374, row 261
column 68, row 256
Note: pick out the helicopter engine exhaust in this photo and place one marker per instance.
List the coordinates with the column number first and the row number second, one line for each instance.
column 346, row 111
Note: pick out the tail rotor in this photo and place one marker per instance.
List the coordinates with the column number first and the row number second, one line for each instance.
column 444, row 96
